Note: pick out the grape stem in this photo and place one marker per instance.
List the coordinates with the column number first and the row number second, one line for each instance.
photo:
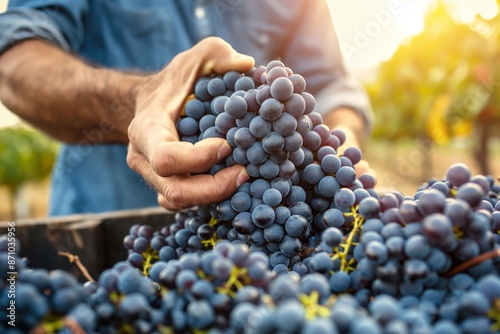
column 472, row 262
column 74, row 258
column 494, row 314
column 149, row 256
column 312, row 307
column 233, row 281
column 55, row 324
column 345, row 263
column 73, row 326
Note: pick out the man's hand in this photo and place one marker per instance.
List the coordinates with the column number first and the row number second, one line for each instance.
column 155, row 151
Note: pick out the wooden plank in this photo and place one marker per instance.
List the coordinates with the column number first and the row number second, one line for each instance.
column 96, row 238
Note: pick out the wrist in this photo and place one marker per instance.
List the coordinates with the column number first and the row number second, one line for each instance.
column 350, row 122
column 119, row 92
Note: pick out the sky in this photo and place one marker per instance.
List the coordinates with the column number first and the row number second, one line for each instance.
column 369, row 31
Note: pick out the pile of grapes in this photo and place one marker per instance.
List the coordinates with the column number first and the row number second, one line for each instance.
column 306, row 246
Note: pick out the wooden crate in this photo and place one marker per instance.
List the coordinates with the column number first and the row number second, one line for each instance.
column 97, row 239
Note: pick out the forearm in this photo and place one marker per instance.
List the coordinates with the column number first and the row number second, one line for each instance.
column 351, row 122
column 64, row 97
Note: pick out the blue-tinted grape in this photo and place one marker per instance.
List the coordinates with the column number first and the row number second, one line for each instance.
column 377, row 252
column 296, row 226
column 263, row 93
column 272, row 197
column 256, row 154
column 270, row 110
column 273, row 143
column 259, row 127
column 328, row 186
column 263, row 216
column 312, row 140
column 195, row 109
column 244, row 84
column 217, row 105
column 243, row 138
column 285, row 125
column 369, row 207
column 304, row 125
column 437, row 228
column 432, row 201
column 187, row 126
column 313, row 173
column 470, row 192
column 333, row 218
column 269, row 170
column 216, row 87
column 200, row 89
column 223, row 122
column 332, row 236
column 206, row 122
column 274, row 233
column 344, row 198
column 236, row 107
column 346, row 175
column 230, row 79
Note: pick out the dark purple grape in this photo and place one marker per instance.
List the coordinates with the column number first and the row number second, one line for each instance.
column 470, row 192
column 236, row 107
column 354, row 154
column 275, row 73
column 282, row 89
column 458, row 174
column 299, row 83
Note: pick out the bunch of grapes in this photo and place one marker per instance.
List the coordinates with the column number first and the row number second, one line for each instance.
column 36, row 300
column 193, row 231
column 305, row 246
column 299, row 184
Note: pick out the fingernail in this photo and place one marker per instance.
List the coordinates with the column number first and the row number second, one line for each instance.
column 241, row 56
column 224, row 151
column 242, row 177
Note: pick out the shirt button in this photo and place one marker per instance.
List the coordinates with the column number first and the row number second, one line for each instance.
column 264, row 39
column 199, row 13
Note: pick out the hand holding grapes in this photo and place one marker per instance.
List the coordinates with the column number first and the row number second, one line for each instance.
column 155, row 151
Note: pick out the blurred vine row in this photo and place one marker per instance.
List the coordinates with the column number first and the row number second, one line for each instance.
column 441, row 82
column 26, row 155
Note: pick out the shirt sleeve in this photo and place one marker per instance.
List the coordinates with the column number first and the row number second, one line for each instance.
column 314, row 37
column 58, row 22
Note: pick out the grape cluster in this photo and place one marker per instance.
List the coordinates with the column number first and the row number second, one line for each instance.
column 193, row 231
column 299, row 184
column 305, row 246
column 38, row 300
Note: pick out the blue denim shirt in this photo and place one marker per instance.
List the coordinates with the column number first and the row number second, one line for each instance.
column 145, row 35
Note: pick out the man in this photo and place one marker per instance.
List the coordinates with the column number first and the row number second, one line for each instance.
column 101, row 74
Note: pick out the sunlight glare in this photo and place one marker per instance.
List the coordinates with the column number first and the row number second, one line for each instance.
column 411, row 20
column 466, row 11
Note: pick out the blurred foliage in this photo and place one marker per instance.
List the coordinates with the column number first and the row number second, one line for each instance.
column 439, row 82
column 25, row 155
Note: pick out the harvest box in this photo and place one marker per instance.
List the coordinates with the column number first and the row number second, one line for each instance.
column 97, row 239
